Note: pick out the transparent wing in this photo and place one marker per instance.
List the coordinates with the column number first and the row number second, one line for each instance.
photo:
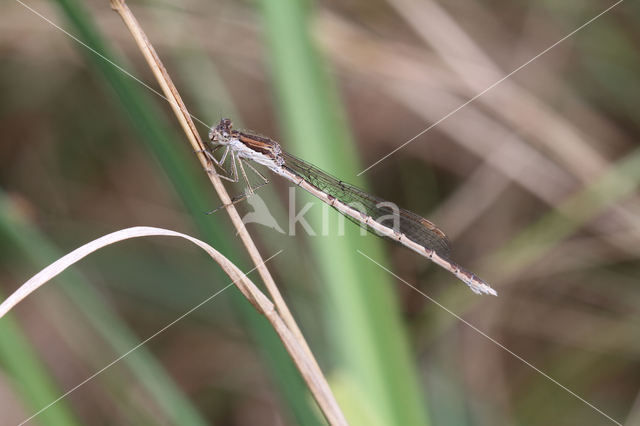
column 414, row 227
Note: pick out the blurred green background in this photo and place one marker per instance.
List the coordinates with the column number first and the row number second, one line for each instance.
column 535, row 182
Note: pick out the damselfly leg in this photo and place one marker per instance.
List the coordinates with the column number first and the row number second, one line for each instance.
column 238, row 198
column 220, row 164
column 264, row 179
column 236, row 162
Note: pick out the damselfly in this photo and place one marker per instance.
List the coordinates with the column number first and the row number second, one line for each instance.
column 378, row 216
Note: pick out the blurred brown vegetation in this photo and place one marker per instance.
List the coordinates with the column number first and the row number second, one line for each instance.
column 505, row 177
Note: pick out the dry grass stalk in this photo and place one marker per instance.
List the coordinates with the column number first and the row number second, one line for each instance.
column 318, row 385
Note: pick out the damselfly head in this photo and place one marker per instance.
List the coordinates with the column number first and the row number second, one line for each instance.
column 221, row 132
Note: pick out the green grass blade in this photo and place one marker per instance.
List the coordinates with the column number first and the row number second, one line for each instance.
column 29, row 376
column 373, row 350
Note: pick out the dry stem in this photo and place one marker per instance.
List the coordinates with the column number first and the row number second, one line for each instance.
column 325, row 399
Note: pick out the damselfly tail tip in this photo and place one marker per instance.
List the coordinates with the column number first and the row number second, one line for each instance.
column 477, row 285
column 480, row 287
column 491, row 291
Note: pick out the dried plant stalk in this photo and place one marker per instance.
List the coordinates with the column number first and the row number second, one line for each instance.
column 324, row 398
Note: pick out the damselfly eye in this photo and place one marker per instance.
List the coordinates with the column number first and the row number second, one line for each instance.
column 224, row 128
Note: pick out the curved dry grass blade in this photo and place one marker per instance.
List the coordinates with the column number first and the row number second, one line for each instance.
column 315, row 381
column 250, row 291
